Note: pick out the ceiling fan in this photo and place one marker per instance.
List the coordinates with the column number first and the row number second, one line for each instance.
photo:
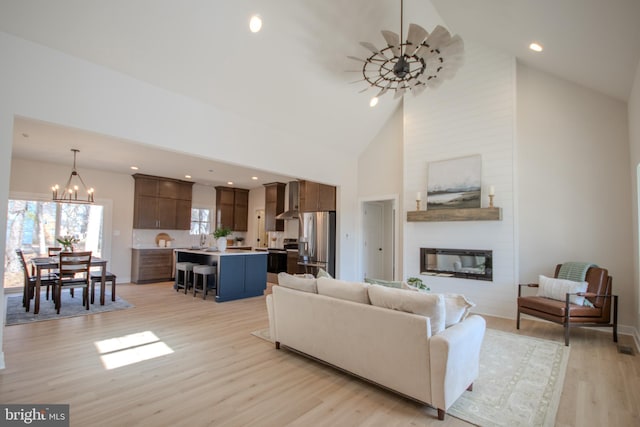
column 422, row 60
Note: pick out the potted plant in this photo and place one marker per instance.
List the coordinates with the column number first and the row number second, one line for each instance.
column 417, row 283
column 67, row 242
column 220, row 234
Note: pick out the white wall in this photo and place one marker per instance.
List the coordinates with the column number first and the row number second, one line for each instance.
column 472, row 114
column 634, row 164
column 380, row 178
column 574, row 186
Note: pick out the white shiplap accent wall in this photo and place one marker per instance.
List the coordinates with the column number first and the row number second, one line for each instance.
column 472, row 114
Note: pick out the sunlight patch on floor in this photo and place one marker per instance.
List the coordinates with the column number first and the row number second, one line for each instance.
column 130, row 349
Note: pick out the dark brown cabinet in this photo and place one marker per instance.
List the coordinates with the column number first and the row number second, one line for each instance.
column 151, row 265
column 161, row 203
column 273, row 206
column 232, row 208
column 316, row 197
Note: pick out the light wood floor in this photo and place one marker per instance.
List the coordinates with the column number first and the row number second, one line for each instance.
column 219, row 374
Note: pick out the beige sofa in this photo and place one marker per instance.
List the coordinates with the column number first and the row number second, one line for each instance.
column 374, row 332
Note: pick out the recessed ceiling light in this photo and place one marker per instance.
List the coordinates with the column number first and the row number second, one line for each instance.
column 135, row 168
column 229, row 182
column 255, row 178
column 536, row 47
column 188, row 176
column 373, row 102
column 255, row 23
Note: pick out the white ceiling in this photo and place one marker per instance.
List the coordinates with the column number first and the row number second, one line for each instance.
column 292, row 75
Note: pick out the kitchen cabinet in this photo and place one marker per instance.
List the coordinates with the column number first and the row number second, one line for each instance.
column 161, row 203
column 232, row 208
column 151, row 265
column 316, row 197
column 273, row 206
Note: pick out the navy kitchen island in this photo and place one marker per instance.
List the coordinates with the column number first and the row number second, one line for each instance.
column 241, row 273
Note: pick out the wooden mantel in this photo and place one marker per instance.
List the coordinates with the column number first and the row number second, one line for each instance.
column 472, row 214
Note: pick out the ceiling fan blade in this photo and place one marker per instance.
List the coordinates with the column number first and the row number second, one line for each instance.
column 434, row 83
column 438, row 37
column 455, row 47
column 399, row 92
column 418, row 89
column 384, row 89
column 357, row 59
column 393, row 40
column 371, row 47
column 416, row 36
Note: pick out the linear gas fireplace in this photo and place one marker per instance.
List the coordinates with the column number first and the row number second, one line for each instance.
column 474, row 264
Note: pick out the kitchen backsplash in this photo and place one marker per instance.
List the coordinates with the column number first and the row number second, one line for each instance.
column 178, row 238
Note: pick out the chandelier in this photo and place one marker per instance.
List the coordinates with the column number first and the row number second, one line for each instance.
column 70, row 192
column 423, row 60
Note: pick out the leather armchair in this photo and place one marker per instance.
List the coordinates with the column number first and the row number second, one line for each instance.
column 569, row 315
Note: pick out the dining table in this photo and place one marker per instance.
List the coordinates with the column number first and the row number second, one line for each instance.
column 52, row 263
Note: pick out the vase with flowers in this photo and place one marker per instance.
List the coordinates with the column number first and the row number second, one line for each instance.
column 67, row 242
column 220, row 235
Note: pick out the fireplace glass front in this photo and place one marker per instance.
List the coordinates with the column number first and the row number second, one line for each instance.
column 463, row 263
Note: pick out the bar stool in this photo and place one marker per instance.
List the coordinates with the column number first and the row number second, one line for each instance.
column 96, row 276
column 187, row 274
column 205, row 271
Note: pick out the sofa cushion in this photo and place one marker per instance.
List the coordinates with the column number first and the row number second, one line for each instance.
column 388, row 283
column 422, row 303
column 456, row 308
column 351, row 291
column 558, row 288
column 304, row 283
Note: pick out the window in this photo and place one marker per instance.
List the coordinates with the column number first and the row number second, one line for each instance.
column 33, row 226
column 200, row 221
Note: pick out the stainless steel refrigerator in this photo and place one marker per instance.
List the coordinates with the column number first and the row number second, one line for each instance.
column 317, row 241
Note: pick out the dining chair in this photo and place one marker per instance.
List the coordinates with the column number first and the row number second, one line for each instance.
column 53, row 251
column 50, row 279
column 74, row 273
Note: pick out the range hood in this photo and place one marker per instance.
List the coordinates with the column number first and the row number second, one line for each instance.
column 292, row 213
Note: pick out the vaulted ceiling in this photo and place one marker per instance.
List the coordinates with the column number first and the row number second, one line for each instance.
column 294, row 74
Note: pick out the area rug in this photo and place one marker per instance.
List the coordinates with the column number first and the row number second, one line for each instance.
column 520, row 382
column 71, row 307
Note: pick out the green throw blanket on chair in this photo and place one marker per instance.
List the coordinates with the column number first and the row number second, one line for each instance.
column 576, row 271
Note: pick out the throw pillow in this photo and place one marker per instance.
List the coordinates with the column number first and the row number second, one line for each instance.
column 351, row 291
column 388, row 283
column 456, row 308
column 304, row 283
column 323, row 273
column 424, row 304
column 558, row 288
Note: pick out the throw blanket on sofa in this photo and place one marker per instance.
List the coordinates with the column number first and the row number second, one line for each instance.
column 576, row 271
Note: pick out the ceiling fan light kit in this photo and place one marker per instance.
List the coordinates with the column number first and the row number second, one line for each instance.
column 422, row 61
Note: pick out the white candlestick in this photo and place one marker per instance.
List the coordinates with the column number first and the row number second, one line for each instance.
column 492, row 190
column 418, row 196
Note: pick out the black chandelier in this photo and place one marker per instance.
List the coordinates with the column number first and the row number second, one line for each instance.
column 69, row 194
column 423, row 60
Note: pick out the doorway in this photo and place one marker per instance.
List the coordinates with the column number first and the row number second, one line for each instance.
column 378, row 239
